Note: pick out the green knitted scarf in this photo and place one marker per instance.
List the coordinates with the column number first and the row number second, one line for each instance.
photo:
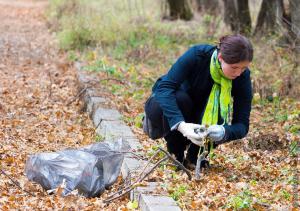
column 220, row 95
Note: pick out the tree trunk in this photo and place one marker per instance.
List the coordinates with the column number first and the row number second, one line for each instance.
column 180, row 9
column 244, row 17
column 267, row 17
column 295, row 21
column 281, row 16
column 210, row 7
column 230, row 15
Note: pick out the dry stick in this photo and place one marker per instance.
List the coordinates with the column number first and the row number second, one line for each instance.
column 101, row 122
column 290, row 151
column 147, row 164
column 77, row 96
column 177, row 163
column 131, row 187
column 51, row 82
column 112, row 79
column 98, row 124
column 139, row 176
column 15, row 182
column 129, row 152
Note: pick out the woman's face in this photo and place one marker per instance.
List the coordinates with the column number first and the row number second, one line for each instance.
column 232, row 71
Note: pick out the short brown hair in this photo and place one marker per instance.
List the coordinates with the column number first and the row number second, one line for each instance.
column 235, row 48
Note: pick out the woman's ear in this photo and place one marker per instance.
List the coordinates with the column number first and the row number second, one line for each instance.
column 220, row 56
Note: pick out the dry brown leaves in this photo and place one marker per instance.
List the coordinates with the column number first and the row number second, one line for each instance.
column 36, row 84
column 259, row 172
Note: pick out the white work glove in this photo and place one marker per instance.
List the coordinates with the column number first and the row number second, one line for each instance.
column 188, row 130
column 216, row 133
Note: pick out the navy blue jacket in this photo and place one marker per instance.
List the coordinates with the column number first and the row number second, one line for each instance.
column 191, row 73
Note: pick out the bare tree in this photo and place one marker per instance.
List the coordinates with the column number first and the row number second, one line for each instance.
column 295, row 22
column 237, row 15
column 230, row 15
column 244, row 16
column 180, row 9
column 270, row 11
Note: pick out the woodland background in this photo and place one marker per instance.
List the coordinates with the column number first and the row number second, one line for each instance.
column 126, row 45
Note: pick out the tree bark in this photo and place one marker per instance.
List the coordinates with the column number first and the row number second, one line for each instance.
column 244, row 17
column 295, row 21
column 230, row 15
column 267, row 18
column 180, row 9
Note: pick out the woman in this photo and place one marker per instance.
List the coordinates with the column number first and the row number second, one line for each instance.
column 197, row 92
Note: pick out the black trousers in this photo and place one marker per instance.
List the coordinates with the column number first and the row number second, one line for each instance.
column 176, row 142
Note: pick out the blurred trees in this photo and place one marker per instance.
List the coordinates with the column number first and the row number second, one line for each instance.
column 244, row 18
column 269, row 12
column 180, row 9
column 211, row 7
column 274, row 15
column 237, row 15
column 230, row 14
column 295, row 23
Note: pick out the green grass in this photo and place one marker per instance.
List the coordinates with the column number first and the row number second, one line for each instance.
column 177, row 192
column 242, row 200
column 132, row 44
column 132, row 33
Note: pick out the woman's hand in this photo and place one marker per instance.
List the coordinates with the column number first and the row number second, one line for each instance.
column 216, row 133
column 188, row 130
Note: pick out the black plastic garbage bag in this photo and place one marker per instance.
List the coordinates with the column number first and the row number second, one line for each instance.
column 89, row 170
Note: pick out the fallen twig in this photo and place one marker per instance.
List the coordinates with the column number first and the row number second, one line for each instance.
column 51, row 82
column 143, row 175
column 177, row 163
column 131, row 187
column 138, row 178
column 15, row 182
column 129, row 152
column 77, row 96
column 112, row 79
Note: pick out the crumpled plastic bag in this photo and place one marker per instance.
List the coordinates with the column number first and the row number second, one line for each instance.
column 89, row 170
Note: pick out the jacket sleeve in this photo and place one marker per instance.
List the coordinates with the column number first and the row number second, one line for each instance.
column 167, row 86
column 242, row 97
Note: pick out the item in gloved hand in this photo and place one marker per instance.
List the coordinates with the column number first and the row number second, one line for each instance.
column 202, row 131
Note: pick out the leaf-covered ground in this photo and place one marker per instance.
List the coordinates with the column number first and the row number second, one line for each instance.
column 259, row 172
column 36, row 84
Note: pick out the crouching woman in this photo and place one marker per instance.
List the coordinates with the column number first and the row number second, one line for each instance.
column 205, row 87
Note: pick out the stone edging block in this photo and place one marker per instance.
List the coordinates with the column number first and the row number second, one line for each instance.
column 109, row 124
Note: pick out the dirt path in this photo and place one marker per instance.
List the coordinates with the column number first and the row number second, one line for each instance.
column 36, row 83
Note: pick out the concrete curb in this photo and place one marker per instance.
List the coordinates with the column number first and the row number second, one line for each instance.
column 109, row 125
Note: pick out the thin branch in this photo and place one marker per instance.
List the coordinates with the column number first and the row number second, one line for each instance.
column 152, row 169
column 15, row 182
column 98, row 124
column 147, row 164
column 290, row 152
column 51, row 82
column 77, row 96
column 139, row 176
column 143, row 175
column 131, row 187
column 101, row 122
column 201, row 157
column 112, row 79
column 177, row 163
column 129, row 152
